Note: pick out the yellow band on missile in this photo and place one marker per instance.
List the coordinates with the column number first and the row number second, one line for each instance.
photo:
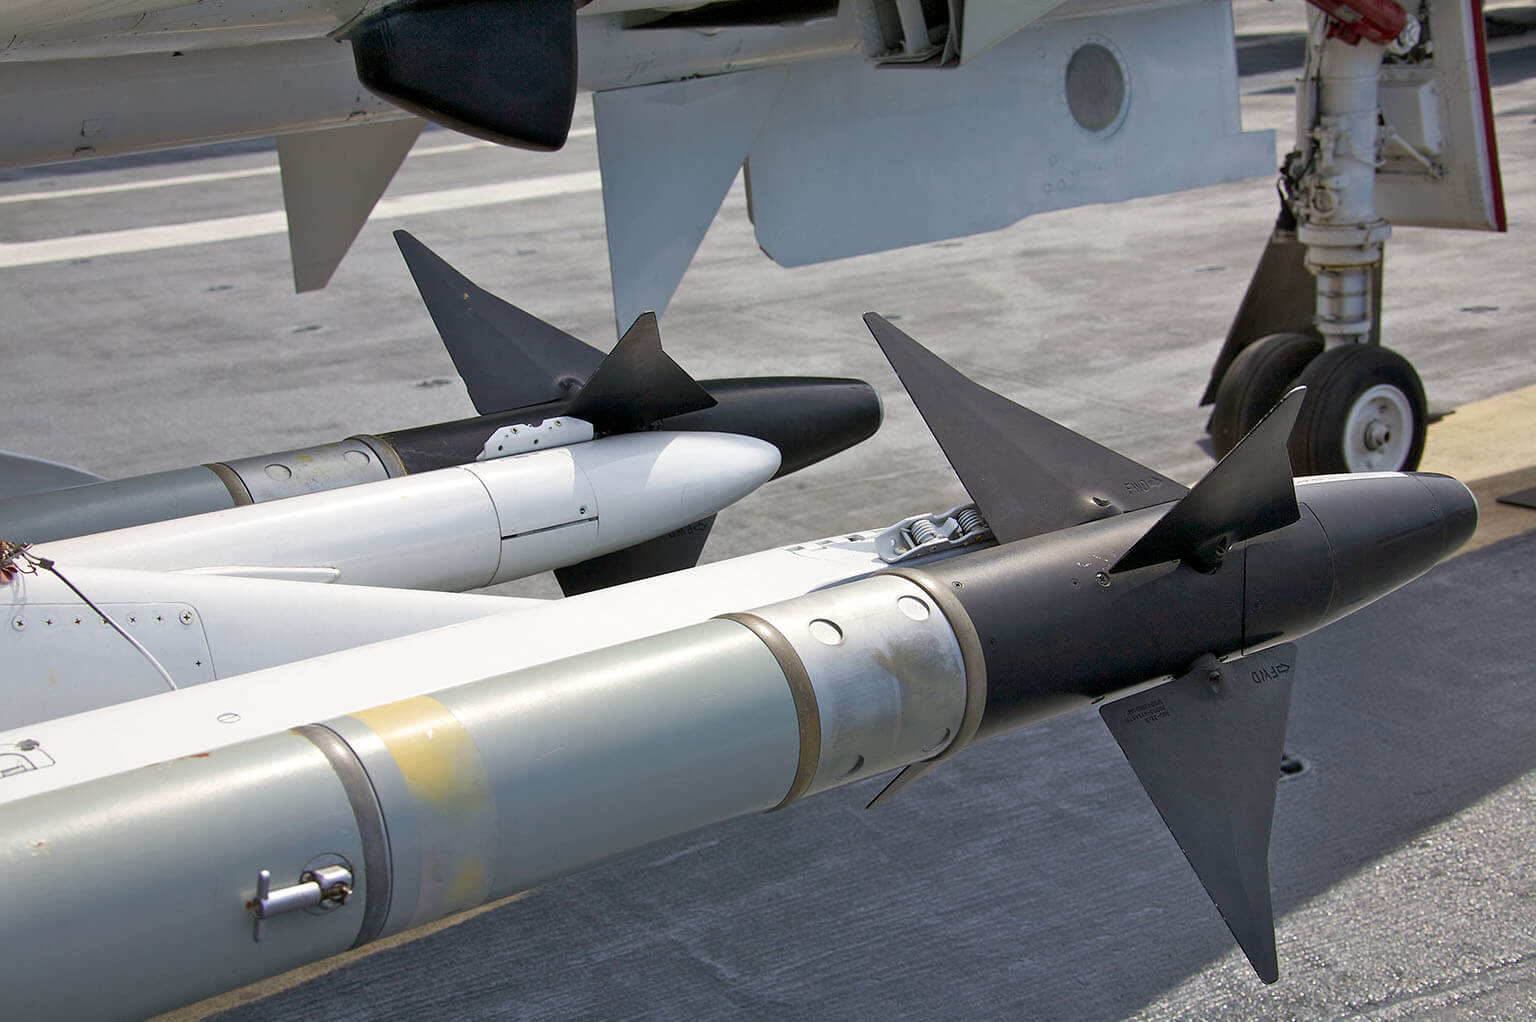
column 451, row 798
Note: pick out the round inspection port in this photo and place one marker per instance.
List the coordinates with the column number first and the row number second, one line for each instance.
column 1097, row 86
column 826, row 632
column 913, row 608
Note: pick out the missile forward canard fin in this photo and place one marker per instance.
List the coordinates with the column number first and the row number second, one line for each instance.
column 1248, row 493
column 1027, row 474
column 506, row 357
column 637, row 384
column 1207, row 748
column 675, row 551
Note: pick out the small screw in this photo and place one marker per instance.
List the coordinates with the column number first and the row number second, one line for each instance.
column 186, row 617
column 27, row 744
column 1103, row 579
column 1101, row 501
column 958, row 584
column 19, row 623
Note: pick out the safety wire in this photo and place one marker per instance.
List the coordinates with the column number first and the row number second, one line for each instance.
column 18, row 559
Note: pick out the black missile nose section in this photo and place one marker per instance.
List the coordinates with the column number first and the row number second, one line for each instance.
column 806, row 418
column 1386, row 530
column 1458, row 508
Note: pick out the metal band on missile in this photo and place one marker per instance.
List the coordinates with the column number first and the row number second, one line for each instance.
column 807, row 713
column 370, row 826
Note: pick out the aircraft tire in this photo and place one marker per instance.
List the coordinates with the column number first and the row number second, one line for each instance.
column 1258, row 377
column 1365, row 412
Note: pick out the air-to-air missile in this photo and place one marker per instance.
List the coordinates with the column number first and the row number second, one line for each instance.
column 563, row 467
column 607, row 469
column 187, row 843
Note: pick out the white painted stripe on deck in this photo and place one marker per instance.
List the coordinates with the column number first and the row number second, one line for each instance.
column 256, row 225
column 230, row 175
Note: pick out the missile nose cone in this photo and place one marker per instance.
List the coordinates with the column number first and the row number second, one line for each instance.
column 806, row 418
column 1457, row 507
column 1386, row 529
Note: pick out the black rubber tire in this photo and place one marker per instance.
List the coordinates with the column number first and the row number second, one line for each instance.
column 1256, row 380
column 1336, row 381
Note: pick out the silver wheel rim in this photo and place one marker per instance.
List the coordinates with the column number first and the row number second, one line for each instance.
column 1379, row 430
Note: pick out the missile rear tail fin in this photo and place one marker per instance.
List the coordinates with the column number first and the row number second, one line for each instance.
column 507, row 357
column 1027, row 474
column 1248, row 493
column 1207, row 748
column 675, row 551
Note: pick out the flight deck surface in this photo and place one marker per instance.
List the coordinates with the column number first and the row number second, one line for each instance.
column 1029, row 877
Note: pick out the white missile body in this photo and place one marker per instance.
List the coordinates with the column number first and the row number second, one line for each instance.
column 473, row 792
column 456, row 528
column 111, row 739
column 61, row 658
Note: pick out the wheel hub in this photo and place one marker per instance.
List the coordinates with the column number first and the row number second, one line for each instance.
column 1379, row 430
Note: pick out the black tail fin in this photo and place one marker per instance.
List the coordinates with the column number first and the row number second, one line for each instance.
column 1027, row 474
column 1207, row 748
column 507, row 358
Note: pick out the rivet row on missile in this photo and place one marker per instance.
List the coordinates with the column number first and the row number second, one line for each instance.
column 466, row 783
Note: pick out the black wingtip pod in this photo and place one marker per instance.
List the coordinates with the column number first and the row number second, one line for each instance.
column 507, row 358
column 1207, row 747
column 1027, row 474
column 1248, row 493
column 637, row 384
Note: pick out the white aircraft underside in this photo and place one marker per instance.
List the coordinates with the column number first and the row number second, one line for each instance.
column 848, row 151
